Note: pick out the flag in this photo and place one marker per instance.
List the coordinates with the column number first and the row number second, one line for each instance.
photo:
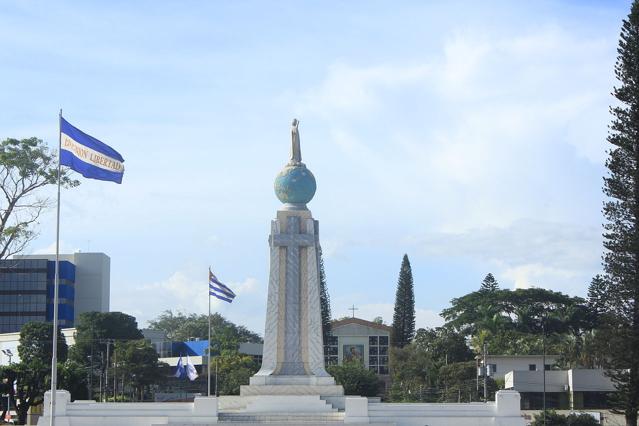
column 180, row 372
column 219, row 290
column 191, row 373
column 88, row 156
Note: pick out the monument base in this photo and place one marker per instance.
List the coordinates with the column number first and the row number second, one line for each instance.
column 323, row 386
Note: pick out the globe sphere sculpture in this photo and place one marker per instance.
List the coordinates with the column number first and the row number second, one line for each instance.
column 295, row 185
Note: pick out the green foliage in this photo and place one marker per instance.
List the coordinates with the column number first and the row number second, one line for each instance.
column 404, row 314
column 512, row 321
column 138, row 361
column 325, row 300
column 33, row 372
column 96, row 330
column 489, row 284
column 233, row 370
column 36, row 343
column 26, row 165
column 555, row 419
column 616, row 294
column 355, row 378
column 437, row 366
column 225, row 337
column 72, row 377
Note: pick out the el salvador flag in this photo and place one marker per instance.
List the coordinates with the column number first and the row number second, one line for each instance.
column 88, row 156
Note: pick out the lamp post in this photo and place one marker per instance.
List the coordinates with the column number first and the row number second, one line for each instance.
column 9, row 354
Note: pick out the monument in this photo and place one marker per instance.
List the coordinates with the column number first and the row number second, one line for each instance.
column 292, row 386
column 293, row 357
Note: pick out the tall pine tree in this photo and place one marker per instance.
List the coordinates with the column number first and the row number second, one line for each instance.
column 325, row 300
column 489, row 283
column 404, row 315
column 616, row 294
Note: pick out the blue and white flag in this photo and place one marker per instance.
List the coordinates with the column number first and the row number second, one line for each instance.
column 180, row 371
column 88, row 156
column 191, row 372
column 219, row 290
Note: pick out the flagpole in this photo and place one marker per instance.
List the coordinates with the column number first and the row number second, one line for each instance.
column 54, row 352
column 208, row 361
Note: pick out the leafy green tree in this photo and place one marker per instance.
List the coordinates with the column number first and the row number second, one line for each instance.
column 226, row 336
column 137, row 360
column 325, row 300
column 355, row 378
column 72, row 377
column 36, row 343
column 26, row 166
column 489, row 284
column 512, row 321
column 458, row 382
column 32, row 374
column 233, row 370
column 404, row 315
column 96, row 334
column 621, row 230
column 414, row 375
column 443, row 344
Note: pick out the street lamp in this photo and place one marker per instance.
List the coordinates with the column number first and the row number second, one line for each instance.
column 9, row 354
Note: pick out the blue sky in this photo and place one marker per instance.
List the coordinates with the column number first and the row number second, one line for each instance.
column 469, row 135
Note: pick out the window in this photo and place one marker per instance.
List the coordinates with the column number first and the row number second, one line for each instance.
column 532, row 367
column 383, row 340
column 492, row 368
column 547, row 367
column 372, row 340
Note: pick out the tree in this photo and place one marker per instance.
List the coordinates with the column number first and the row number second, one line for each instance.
column 26, row 165
column 137, row 360
column 32, row 374
column 621, row 230
column 233, row 370
column 404, row 315
column 489, row 284
column 225, row 336
column 96, row 334
column 325, row 300
column 355, row 378
column 35, row 343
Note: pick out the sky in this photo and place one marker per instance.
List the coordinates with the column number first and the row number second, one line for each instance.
column 469, row 135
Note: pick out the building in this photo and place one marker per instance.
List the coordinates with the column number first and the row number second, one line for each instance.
column 499, row 365
column 355, row 339
column 565, row 389
column 26, row 293
column 92, row 279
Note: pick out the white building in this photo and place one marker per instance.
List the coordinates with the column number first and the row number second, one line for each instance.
column 499, row 365
column 565, row 389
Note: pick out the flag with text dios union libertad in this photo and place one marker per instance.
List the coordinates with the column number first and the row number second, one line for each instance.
column 88, row 156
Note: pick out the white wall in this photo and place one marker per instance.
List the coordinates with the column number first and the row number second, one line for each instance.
column 517, row 363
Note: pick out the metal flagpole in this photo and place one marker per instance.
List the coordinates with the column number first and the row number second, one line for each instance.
column 208, row 362
column 54, row 356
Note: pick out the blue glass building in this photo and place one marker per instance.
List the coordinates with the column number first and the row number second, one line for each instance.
column 26, row 293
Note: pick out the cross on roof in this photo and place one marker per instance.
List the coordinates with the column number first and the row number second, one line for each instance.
column 353, row 308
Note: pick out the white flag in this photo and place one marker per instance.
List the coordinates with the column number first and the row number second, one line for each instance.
column 191, row 373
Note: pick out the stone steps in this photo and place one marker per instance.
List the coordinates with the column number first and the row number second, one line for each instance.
column 291, row 418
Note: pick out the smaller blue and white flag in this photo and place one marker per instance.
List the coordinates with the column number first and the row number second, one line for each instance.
column 191, row 372
column 88, row 156
column 219, row 290
column 180, row 371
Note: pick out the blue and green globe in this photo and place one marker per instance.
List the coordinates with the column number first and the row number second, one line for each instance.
column 295, row 184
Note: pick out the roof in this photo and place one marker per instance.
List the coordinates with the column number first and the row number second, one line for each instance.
column 346, row 321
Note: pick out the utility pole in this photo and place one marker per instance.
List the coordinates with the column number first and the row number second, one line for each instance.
column 106, row 370
column 543, row 339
